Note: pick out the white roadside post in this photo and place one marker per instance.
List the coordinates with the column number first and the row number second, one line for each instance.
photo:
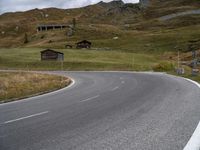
column 61, row 65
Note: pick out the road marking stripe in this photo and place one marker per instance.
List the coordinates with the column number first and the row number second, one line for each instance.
column 91, row 98
column 115, row 88
column 122, row 82
column 196, row 83
column 194, row 142
column 30, row 116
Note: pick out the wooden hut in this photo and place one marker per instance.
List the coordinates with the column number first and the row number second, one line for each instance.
column 49, row 54
column 83, row 44
column 68, row 46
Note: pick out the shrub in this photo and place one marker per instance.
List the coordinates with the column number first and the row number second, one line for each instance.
column 163, row 66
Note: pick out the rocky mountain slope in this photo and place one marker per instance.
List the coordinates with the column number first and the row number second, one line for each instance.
column 98, row 22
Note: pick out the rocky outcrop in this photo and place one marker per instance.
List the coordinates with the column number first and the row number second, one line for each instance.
column 144, row 3
column 112, row 4
column 125, row 9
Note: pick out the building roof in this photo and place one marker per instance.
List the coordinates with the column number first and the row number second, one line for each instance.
column 51, row 51
column 84, row 41
column 51, row 25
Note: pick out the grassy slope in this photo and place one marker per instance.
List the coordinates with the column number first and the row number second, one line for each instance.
column 100, row 23
column 29, row 58
column 158, row 41
column 15, row 85
column 148, row 41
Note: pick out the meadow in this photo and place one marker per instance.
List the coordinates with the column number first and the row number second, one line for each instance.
column 29, row 59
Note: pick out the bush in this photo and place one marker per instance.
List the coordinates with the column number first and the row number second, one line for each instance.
column 163, row 66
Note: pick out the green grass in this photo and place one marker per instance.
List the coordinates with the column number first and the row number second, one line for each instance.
column 89, row 60
column 29, row 59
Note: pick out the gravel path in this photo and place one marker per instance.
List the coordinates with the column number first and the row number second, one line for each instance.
column 171, row 16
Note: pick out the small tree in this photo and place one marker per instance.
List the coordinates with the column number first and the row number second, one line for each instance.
column 25, row 38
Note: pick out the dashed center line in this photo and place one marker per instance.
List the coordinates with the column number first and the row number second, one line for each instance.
column 122, row 82
column 26, row 117
column 115, row 88
column 91, row 98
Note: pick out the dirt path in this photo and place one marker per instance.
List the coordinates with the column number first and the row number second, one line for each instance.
column 171, row 16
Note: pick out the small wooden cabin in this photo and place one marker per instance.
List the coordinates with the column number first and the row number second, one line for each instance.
column 68, row 46
column 49, row 54
column 83, row 44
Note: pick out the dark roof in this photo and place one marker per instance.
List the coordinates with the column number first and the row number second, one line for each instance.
column 51, row 51
column 84, row 41
column 51, row 25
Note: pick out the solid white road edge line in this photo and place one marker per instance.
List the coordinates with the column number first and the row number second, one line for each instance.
column 26, row 117
column 40, row 96
column 91, row 98
column 193, row 82
column 194, row 142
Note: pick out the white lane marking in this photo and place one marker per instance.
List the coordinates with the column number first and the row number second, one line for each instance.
column 41, row 96
column 91, row 98
column 122, row 82
column 26, row 117
column 115, row 88
column 194, row 142
column 196, row 83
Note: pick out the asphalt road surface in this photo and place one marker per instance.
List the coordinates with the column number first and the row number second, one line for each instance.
column 104, row 111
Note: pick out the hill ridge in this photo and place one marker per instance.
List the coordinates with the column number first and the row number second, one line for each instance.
column 95, row 22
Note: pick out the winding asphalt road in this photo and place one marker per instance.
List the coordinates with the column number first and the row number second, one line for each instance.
column 105, row 110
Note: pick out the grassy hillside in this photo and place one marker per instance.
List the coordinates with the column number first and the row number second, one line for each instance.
column 137, row 28
column 29, row 59
column 144, row 42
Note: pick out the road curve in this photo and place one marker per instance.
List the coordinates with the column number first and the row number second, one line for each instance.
column 105, row 110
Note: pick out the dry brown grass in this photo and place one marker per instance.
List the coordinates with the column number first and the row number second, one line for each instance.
column 16, row 85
